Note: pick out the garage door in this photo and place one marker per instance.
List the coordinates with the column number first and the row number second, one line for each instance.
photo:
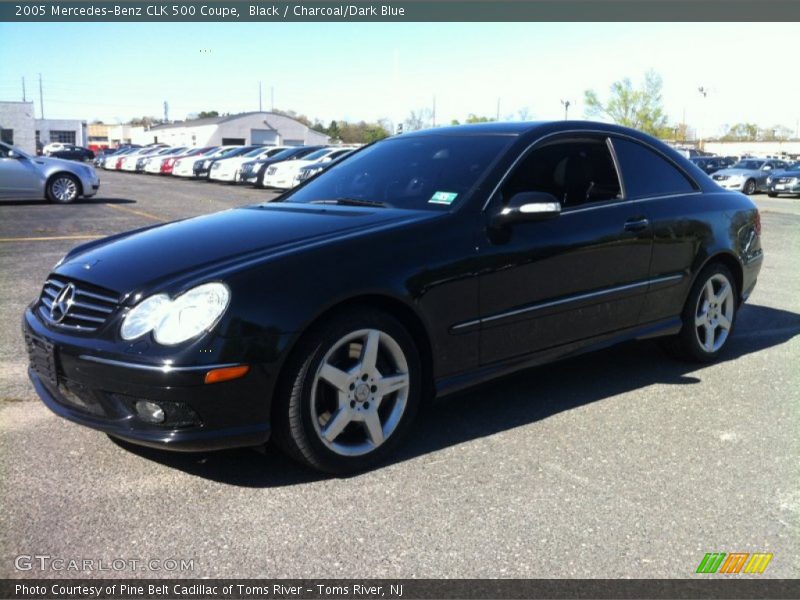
column 263, row 136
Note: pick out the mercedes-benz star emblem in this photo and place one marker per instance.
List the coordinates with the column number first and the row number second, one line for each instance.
column 62, row 303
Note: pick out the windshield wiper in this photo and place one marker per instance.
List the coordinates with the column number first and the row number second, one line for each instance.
column 353, row 202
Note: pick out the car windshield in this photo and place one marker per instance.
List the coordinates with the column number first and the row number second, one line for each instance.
column 228, row 152
column 750, row 165
column 433, row 172
column 255, row 152
column 317, row 154
column 284, row 154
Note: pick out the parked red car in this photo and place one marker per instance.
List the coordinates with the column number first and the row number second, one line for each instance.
column 168, row 163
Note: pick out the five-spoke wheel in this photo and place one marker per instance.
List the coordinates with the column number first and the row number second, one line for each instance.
column 350, row 392
column 708, row 316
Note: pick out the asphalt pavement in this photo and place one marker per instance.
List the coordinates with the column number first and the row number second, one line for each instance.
column 622, row 463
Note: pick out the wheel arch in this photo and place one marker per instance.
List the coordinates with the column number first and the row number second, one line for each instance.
column 729, row 260
column 63, row 172
column 385, row 303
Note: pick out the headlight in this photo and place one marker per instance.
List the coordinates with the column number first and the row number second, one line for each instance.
column 175, row 321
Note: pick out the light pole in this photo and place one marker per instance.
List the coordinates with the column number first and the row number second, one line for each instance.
column 704, row 92
column 565, row 104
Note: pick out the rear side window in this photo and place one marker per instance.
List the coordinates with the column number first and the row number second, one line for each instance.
column 646, row 174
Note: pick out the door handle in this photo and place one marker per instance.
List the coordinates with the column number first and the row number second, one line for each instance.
column 636, row 224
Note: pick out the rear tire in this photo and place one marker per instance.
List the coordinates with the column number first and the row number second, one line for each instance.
column 708, row 317
column 63, row 188
column 350, row 393
column 772, row 194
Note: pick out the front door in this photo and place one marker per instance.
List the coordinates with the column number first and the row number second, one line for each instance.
column 578, row 275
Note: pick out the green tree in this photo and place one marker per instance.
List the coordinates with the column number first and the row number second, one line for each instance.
column 207, row 114
column 640, row 108
column 473, row 118
column 145, row 121
column 741, row 132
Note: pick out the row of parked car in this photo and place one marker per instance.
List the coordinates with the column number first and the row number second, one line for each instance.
column 280, row 167
column 751, row 175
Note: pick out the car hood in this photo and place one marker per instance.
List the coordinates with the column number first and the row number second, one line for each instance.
column 46, row 161
column 209, row 246
column 745, row 172
column 792, row 173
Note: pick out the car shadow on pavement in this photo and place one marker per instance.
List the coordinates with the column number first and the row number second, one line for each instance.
column 503, row 404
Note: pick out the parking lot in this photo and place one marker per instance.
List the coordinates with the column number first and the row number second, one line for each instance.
column 616, row 464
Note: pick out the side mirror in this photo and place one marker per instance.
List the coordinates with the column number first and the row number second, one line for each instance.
column 526, row 207
column 17, row 155
column 766, row 168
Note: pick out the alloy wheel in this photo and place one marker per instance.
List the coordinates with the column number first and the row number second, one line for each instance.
column 360, row 392
column 64, row 189
column 714, row 313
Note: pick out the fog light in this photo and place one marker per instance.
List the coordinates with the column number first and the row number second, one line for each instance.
column 149, row 411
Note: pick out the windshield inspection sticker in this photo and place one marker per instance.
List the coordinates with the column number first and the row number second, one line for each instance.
column 443, row 198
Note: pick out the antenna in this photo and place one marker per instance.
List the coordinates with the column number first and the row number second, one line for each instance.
column 260, row 109
column 24, row 99
column 166, row 112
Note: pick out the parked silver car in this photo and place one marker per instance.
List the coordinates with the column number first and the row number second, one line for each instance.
column 749, row 175
column 23, row 176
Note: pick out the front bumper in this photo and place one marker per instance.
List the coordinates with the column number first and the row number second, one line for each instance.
column 90, row 184
column 737, row 185
column 79, row 383
column 784, row 188
column 222, row 175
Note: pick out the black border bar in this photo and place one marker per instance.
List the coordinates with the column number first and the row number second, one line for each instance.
column 400, row 11
column 714, row 587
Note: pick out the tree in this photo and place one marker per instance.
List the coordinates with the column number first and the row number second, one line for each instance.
column 741, row 132
column 207, row 114
column 473, row 118
column 639, row 108
column 145, row 121
column 419, row 119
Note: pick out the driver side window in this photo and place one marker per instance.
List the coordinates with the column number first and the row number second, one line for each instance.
column 575, row 171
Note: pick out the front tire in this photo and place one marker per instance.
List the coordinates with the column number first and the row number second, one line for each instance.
column 749, row 187
column 708, row 316
column 63, row 188
column 772, row 194
column 350, row 393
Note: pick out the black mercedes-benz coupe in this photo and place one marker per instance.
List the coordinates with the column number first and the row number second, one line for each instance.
column 415, row 267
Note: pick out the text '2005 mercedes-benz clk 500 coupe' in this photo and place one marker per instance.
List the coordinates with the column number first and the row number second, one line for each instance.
column 415, row 267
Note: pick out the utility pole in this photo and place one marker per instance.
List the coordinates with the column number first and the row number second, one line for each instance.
column 498, row 109
column 260, row 109
column 166, row 112
column 566, row 104
column 704, row 92
column 24, row 99
column 434, row 111
column 272, row 99
column 41, row 98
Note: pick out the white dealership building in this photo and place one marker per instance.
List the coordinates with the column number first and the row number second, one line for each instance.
column 245, row 128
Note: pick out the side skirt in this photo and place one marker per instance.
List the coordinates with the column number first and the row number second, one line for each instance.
column 456, row 383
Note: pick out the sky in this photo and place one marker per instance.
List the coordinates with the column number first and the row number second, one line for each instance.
column 369, row 71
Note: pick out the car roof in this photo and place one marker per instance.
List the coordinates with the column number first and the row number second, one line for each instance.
column 519, row 128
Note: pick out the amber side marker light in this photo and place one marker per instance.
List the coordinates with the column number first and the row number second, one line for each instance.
column 227, row 373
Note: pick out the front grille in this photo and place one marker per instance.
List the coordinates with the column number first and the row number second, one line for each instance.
column 721, row 177
column 785, row 179
column 90, row 308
